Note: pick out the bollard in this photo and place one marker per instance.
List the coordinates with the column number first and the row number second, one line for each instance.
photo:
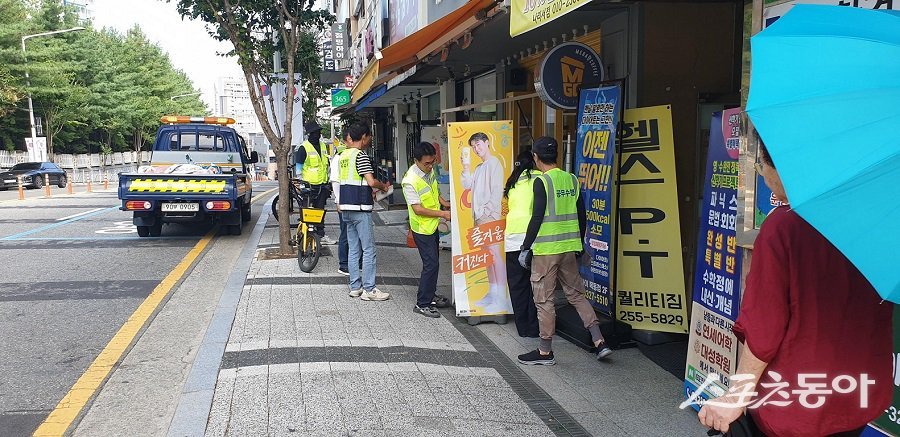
column 47, row 186
column 89, row 186
column 69, row 185
column 21, row 189
column 106, row 183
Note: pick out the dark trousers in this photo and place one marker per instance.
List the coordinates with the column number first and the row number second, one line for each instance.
column 429, row 251
column 319, row 196
column 343, row 247
column 519, row 280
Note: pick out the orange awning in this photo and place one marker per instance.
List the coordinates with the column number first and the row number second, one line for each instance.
column 404, row 52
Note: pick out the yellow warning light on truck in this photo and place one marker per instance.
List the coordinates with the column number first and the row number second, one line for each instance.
column 182, row 119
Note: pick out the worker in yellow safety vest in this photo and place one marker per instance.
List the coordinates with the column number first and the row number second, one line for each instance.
column 553, row 241
column 519, row 193
column 424, row 202
column 313, row 156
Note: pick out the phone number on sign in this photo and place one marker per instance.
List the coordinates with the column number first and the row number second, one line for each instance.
column 637, row 316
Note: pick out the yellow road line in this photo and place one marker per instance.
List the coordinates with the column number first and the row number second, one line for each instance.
column 71, row 406
column 68, row 409
column 264, row 194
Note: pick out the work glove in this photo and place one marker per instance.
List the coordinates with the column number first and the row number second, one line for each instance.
column 525, row 258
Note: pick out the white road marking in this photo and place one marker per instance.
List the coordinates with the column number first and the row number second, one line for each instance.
column 79, row 214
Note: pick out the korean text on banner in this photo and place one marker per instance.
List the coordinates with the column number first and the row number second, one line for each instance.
column 481, row 157
column 712, row 347
column 527, row 15
column 597, row 120
column 649, row 271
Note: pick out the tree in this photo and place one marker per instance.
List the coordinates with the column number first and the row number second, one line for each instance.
column 310, row 63
column 258, row 29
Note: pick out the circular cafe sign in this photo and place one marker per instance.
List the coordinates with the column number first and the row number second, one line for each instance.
column 565, row 70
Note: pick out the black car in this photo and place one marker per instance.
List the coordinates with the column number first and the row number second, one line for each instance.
column 32, row 174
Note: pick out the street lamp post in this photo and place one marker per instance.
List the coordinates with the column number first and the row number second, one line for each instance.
column 28, row 79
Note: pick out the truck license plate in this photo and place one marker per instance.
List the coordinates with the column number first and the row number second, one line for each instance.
column 180, row 207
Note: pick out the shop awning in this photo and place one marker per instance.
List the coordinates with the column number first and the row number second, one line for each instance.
column 404, row 52
column 408, row 51
column 378, row 92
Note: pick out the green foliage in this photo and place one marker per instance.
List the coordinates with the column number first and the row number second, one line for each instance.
column 259, row 29
column 91, row 88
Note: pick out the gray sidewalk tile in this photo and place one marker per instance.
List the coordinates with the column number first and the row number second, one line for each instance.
column 304, row 359
column 220, row 412
column 249, row 406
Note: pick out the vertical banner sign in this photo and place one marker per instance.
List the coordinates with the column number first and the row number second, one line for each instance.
column 712, row 347
column 649, row 270
column 328, row 65
column 597, row 120
column 527, row 15
column 339, row 39
column 481, row 157
column 889, row 422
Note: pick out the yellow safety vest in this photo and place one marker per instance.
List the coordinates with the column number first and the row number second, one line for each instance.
column 429, row 198
column 356, row 194
column 315, row 168
column 520, row 201
column 559, row 232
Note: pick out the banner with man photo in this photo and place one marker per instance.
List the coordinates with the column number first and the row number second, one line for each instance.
column 481, row 159
column 598, row 113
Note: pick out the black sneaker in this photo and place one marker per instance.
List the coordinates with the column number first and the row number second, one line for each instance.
column 440, row 301
column 427, row 311
column 603, row 350
column 535, row 358
column 344, row 271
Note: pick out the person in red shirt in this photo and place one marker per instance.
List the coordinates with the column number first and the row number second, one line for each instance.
column 811, row 327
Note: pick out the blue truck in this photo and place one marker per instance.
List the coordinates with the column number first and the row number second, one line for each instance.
column 200, row 171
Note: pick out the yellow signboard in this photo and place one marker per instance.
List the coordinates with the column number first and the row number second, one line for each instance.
column 650, row 286
column 481, row 158
column 526, row 15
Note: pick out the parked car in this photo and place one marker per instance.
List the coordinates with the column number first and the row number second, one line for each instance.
column 32, row 174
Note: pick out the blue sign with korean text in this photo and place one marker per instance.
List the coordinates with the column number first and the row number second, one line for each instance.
column 712, row 345
column 598, row 112
column 718, row 271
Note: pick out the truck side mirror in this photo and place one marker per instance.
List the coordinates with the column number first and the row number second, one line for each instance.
column 254, row 157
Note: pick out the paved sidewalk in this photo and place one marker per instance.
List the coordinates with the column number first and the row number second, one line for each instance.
column 303, row 358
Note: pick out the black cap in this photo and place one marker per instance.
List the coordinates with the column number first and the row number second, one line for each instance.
column 545, row 146
column 311, row 127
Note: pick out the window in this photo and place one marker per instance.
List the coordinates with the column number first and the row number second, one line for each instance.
column 209, row 142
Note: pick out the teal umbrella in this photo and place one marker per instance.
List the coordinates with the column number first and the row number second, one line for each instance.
column 825, row 98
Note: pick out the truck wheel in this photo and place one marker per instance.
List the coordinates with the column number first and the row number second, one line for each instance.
column 143, row 231
column 156, row 230
column 246, row 212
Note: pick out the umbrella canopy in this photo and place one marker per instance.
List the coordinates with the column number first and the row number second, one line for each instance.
column 825, row 98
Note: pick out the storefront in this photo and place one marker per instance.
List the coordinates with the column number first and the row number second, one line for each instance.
column 466, row 65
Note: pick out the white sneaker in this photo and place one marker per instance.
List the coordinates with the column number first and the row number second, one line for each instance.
column 327, row 241
column 356, row 293
column 375, row 295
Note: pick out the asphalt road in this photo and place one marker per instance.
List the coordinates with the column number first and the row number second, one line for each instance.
column 73, row 271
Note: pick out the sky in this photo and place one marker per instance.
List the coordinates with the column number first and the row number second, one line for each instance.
column 189, row 46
